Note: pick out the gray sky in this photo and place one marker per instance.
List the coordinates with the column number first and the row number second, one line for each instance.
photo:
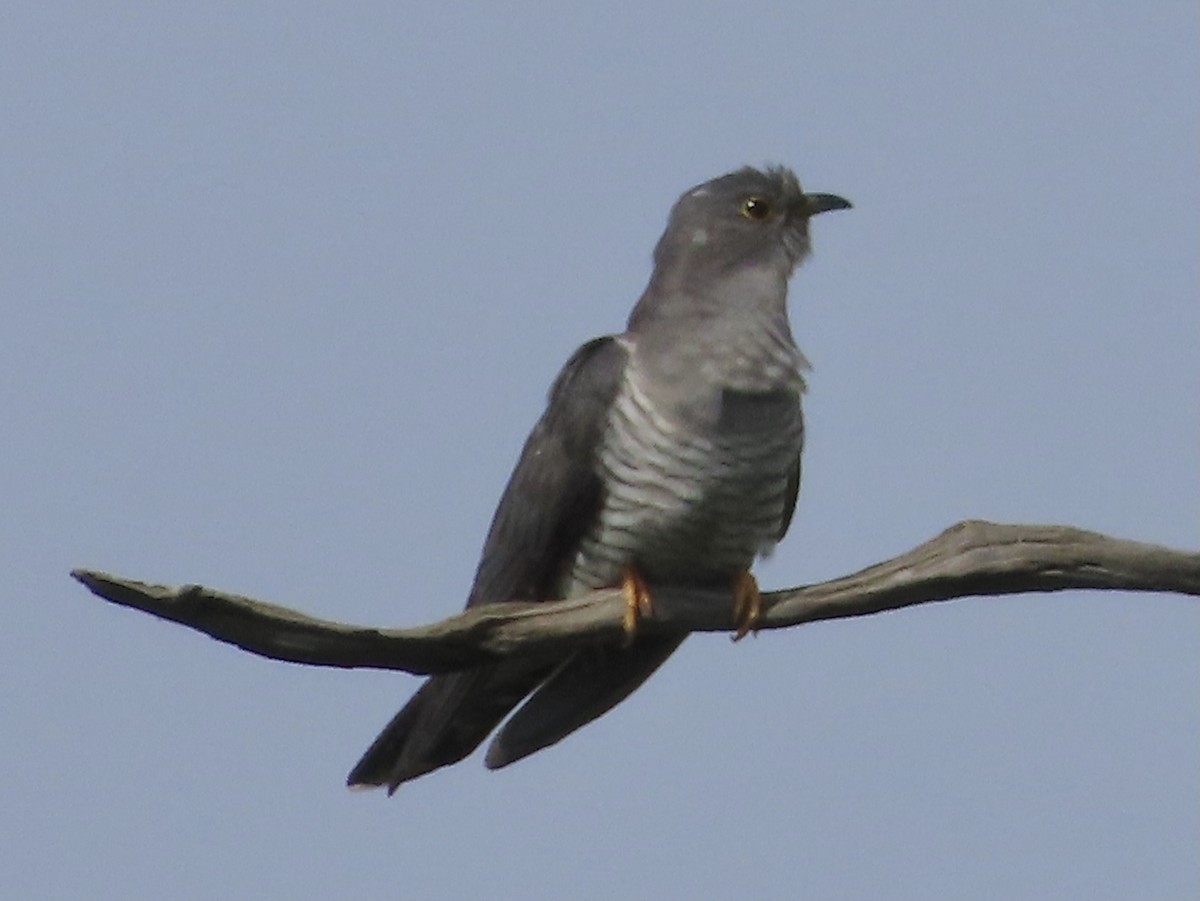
column 285, row 286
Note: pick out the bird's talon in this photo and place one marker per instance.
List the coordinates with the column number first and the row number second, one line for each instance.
column 747, row 605
column 637, row 602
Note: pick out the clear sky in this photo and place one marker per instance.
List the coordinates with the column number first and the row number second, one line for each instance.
column 284, row 286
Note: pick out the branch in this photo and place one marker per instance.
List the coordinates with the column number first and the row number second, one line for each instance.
column 972, row 558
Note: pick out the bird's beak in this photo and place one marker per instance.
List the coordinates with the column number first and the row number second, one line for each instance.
column 823, row 203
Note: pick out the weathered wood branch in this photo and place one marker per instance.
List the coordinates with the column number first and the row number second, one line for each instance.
column 970, row 559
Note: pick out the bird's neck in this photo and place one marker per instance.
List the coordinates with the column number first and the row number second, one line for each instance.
column 753, row 296
column 730, row 337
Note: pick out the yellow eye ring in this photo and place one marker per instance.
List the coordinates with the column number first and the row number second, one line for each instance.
column 756, row 208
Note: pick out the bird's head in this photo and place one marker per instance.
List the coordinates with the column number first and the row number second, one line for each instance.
column 750, row 216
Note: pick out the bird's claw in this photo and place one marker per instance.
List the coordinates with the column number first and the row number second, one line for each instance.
column 747, row 605
column 637, row 601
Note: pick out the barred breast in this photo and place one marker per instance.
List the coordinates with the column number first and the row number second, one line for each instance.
column 686, row 500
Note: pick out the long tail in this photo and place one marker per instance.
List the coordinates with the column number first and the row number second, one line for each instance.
column 584, row 688
column 444, row 721
column 451, row 715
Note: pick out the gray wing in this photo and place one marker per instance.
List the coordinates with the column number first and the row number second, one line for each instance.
column 789, row 499
column 551, row 500
column 555, row 492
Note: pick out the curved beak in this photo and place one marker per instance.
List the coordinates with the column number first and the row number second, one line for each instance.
column 823, row 203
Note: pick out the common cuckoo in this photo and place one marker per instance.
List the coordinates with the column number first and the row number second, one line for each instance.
column 668, row 454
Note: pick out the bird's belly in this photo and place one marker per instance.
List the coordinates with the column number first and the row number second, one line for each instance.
column 686, row 505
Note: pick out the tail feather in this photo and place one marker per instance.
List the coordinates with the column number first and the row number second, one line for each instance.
column 447, row 719
column 585, row 687
column 451, row 715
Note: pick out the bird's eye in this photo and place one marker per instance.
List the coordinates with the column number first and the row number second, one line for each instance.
column 756, row 208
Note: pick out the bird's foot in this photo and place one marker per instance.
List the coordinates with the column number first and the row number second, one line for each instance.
column 747, row 605
column 637, row 601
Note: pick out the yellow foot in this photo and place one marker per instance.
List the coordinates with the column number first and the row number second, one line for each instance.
column 637, row 601
column 747, row 605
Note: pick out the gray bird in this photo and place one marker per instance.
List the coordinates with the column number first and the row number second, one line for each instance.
column 668, row 454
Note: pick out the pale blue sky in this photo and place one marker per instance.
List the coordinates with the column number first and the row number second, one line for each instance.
column 285, row 285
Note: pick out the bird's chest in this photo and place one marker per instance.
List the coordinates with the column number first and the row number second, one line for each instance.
column 693, row 490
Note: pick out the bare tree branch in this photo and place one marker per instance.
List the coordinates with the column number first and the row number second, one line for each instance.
column 972, row 558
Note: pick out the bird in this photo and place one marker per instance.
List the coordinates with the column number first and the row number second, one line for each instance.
column 668, row 454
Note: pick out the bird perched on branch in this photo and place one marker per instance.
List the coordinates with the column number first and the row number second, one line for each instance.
column 667, row 454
